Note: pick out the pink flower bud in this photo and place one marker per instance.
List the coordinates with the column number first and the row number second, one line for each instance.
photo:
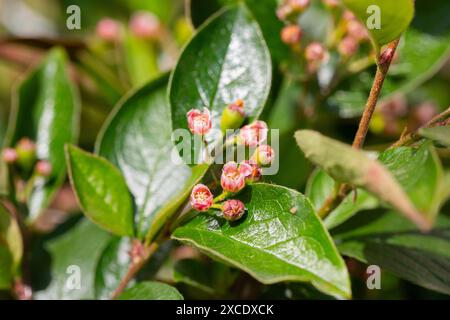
column 386, row 57
column 199, row 122
column 291, row 35
column 283, row 12
column 108, row 29
column 43, row 168
column 232, row 179
column 233, row 116
column 253, row 134
column 26, row 152
column 348, row 16
column 298, row 5
column 250, row 170
column 357, row 30
column 9, row 155
column 233, row 210
column 315, row 51
column 263, row 155
column 331, row 4
column 201, row 198
column 145, row 25
column 348, row 46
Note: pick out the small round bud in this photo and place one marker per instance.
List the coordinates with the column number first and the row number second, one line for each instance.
column 298, row 6
column 250, row 170
column 26, row 152
column 233, row 116
column 315, row 51
column 233, row 210
column 283, row 12
column 9, row 155
column 263, row 155
column 201, row 198
column 348, row 16
column 425, row 112
column 348, row 47
column 199, row 122
column 43, row 168
column 331, row 4
column 291, row 35
column 108, row 29
column 253, row 134
column 145, row 25
column 357, row 30
column 233, row 178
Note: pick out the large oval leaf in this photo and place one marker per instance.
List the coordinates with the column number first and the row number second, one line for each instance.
column 101, row 191
column 394, row 16
column 47, row 111
column 137, row 139
column 279, row 239
column 74, row 258
column 227, row 60
column 151, row 290
column 11, row 248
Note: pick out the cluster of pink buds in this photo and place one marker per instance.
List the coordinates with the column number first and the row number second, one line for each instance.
column 23, row 156
column 355, row 33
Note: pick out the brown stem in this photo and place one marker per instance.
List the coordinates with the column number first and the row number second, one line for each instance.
column 139, row 257
column 383, row 63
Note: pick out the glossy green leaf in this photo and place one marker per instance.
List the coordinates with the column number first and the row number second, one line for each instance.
column 397, row 246
column 151, row 291
column 419, row 171
column 321, row 185
column 441, row 135
column 74, row 258
column 112, row 267
column 227, row 60
column 47, row 111
column 394, row 17
column 279, row 239
column 354, row 167
column 11, row 248
column 137, row 139
column 101, row 191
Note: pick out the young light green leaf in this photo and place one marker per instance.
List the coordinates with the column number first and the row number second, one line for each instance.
column 227, row 60
column 441, row 135
column 420, row 173
column 386, row 20
column 101, row 191
column 151, row 290
column 351, row 166
column 387, row 240
column 47, row 111
column 279, row 239
column 74, row 258
column 320, row 186
column 11, row 248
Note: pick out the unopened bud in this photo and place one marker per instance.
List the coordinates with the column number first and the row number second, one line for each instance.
column 357, row 30
column 298, row 6
column 233, row 210
column 108, row 29
column 386, row 57
column 263, row 155
column 26, row 152
column 233, row 116
column 331, row 4
column 283, row 12
column 145, row 25
column 9, row 155
column 348, row 47
column 43, row 168
column 291, row 35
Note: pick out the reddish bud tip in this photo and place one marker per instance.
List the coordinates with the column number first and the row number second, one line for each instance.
column 199, row 122
column 233, row 115
column 108, row 29
column 43, row 168
column 386, row 57
column 232, row 179
column 145, row 25
column 233, row 210
column 291, row 35
column 253, row 134
column 9, row 155
column 26, row 145
column 201, row 198
column 263, row 155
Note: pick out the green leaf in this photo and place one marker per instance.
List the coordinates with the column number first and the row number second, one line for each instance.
column 354, row 167
column 397, row 246
column 227, row 60
column 321, row 185
column 150, row 290
column 74, row 258
column 11, row 248
column 47, row 111
column 279, row 239
column 419, row 171
column 395, row 17
column 439, row 134
column 101, row 191
column 112, row 267
column 137, row 139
